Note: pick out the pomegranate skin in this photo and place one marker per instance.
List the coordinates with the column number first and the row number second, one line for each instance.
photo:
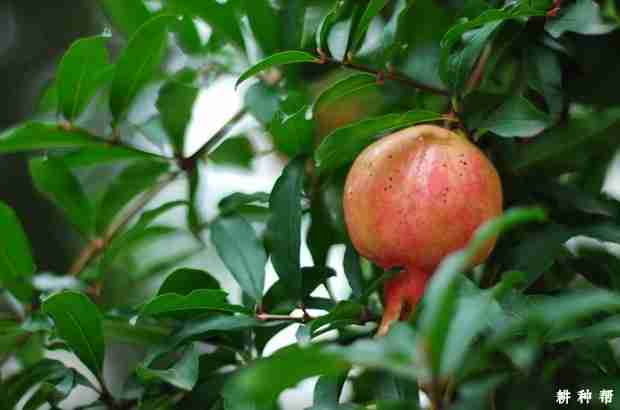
column 415, row 196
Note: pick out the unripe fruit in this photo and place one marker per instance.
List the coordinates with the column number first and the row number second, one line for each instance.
column 414, row 197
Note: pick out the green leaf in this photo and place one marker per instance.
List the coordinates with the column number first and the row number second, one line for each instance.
column 234, row 201
column 353, row 270
column 441, row 294
column 285, row 224
column 292, row 134
column 79, row 323
column 343, row 88
column 184, row 281
column 327, row 23
column 372, row 10
column 126, row 15
column 138, row 63
column 36, row 135
column 105, row 154
column 16, row 262
column 184, row 373
column 582, row 16
column 15, row 388
column 134, row 179
column 264, row 24
column 242, row 253
column 345, row 312
column 262, row 101
column 455, row 67
column 293, row 364
column 199, row 300
column 344, row 144
column 545, row 76
column 517, row 117
column 292, row 21
column 236, row 151
column 175, row 104
column 281, row 58
column 221, row 16
column 188, row 36
column 81, row 72
column 53, row 178
column 511, row 11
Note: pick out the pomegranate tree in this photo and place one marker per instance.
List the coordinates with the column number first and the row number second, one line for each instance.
column 411, row 199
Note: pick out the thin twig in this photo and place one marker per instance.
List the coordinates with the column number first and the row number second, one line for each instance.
column 382, row 75
column 95, row 246
column 266, row 317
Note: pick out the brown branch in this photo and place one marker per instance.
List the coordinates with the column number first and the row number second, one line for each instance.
column 95, row 246
column 383, row 75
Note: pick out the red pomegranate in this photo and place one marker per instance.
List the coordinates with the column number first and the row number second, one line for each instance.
column 412, row 198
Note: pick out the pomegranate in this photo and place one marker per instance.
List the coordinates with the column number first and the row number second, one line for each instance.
column 412, row 198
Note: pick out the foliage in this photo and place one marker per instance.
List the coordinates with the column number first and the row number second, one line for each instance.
column 533, row 83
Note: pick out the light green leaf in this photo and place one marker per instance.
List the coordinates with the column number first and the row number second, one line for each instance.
column 126, row 15
column 138, row 63
column 36, row 135
column 242, row 253
column 53, row 178
column 82, row 70
column 184, row 281
column 344, row 144
column 199, row 300
column 282, row 58
column 16, row 262
column 79, row 323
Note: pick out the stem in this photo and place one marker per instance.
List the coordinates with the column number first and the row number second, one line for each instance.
column 382, row 75
column 266, row 317
column 95, row 246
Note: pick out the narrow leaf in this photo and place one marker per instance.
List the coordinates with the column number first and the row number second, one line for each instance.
column 282, row 58
column 16, row 262
column 372, row 10
column 36, row 135
column 341, row 89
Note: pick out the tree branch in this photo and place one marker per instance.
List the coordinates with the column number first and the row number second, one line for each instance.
column 95, row 246
column 382, row 75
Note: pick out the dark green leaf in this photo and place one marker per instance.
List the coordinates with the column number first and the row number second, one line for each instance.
column 282, row 58
column 292, row 134
column 196, row 301
column 242, row 253
column 545, row 76
column 353, row 270
column 134, row 180
column 16, row 262
column 35, row 135
column 292, row 19
column 326, row 25
column 184, row 281
column 292, row 364
column 342, row 146
column 138, row 63
column 184, row 373
column 372, row 10
column 328, row 389
column 236, row 200
column 79, row 323
column 53, row 178
column 582, row 16
column 343, row 88
column 285, row 224
column 263, row 102
column 394, row 31
column 175, row 104
column 517, row 117
column 235, row 151
column 264, row 24
column 81, row 72
column 18, row 386
column 126, row 15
